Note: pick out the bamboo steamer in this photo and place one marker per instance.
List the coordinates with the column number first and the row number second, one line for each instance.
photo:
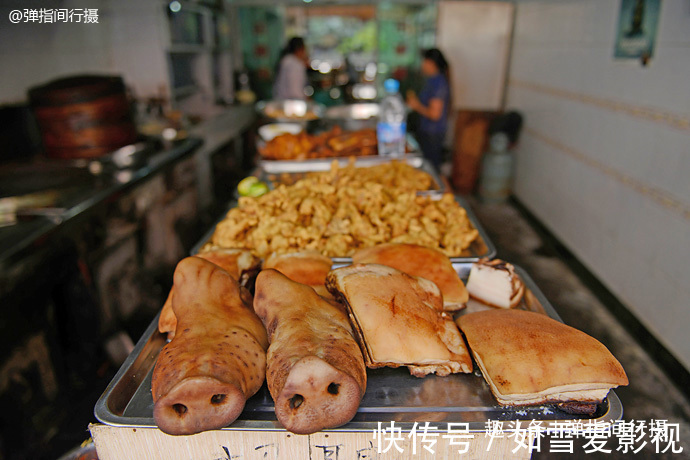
column 83, row 116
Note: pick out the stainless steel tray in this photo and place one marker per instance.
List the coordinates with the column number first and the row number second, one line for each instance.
column 356, row 116
column 358, row 111
column 480, row 247
column 413, row 158
column 290, row 110
column 268, row 170
column 392, row 394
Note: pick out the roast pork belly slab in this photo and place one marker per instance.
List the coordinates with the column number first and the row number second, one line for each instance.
column 419, row 261
column 528, row 358
column 399, row 320
column 306, row 267
column 495, row 283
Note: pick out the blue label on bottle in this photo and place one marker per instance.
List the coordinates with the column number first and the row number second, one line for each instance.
column 389, row 133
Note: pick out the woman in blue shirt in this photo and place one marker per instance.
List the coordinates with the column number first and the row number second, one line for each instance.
column 433, row 105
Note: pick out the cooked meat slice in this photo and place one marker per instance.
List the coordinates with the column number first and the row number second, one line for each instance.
column 399, row 320
column 495, row 283
column 305, row 267
column 528, row 358
column 419, row 261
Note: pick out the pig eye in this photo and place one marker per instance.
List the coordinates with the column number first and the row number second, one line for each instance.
column 217, row 399
column 296, row 401
column 333, row 388
column 180, row 409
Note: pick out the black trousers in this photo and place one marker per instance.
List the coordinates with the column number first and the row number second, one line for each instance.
column 432, row 147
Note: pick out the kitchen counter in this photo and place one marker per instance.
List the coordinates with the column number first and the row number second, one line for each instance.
column 218, row 130
column 217, row 133
column 82, row 271
column 83, row 196
column 86, row 193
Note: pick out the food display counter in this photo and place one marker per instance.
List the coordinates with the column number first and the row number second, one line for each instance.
column 401, row 410
column 126, row 410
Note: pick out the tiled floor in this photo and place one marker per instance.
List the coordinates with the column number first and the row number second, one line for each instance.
column 650, row 395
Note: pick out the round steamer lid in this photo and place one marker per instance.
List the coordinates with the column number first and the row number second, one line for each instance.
column 79, row 88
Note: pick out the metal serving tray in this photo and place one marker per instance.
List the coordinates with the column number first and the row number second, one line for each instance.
column 413, row 158
column 392, row 394
column 268, row 170
column 358, row 111
column 480, row 247
column 290, row 110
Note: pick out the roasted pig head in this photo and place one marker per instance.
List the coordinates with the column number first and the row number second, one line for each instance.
column 316, row 373
column 239, row 263
column 217, row 358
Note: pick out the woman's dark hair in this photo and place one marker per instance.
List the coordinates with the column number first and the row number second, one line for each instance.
column 293, row 45
column 436, row 56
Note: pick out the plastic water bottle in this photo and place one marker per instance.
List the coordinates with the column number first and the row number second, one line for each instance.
column 392, row 124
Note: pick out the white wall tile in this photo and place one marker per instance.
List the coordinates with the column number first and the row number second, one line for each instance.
column 638, row 245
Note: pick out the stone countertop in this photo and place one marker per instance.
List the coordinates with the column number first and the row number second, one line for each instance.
column 217, row 131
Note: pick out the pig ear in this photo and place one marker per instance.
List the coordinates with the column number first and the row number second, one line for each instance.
column 167, row 321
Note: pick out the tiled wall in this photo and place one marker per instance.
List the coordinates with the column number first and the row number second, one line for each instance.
column 604, row 160
column 127, row 40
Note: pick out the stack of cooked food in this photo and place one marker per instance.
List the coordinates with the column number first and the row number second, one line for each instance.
column 346, row 209
column 311, row 330
column 331, row 143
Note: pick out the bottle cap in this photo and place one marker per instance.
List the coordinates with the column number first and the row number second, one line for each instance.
column 391, row 85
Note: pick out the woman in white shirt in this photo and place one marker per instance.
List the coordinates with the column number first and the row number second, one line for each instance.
column 292, row 71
